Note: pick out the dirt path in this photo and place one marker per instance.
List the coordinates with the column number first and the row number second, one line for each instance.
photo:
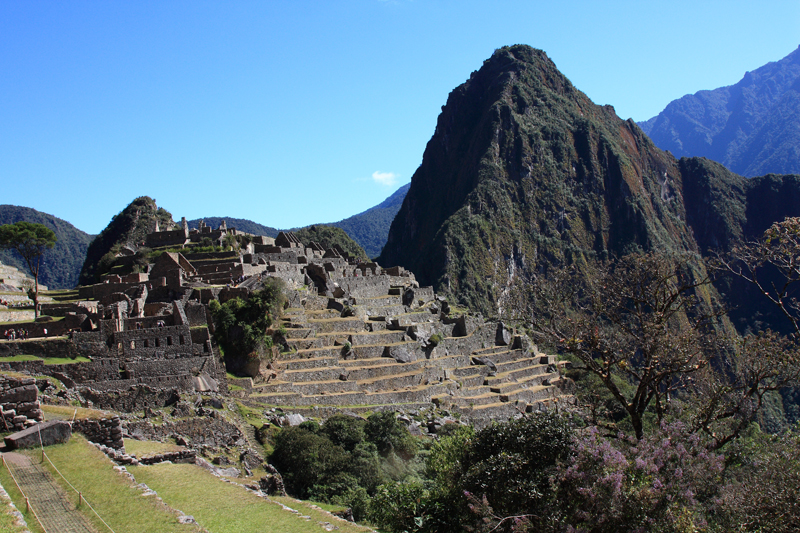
column 56, row 512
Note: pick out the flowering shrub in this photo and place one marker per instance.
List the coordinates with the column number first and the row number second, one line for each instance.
column 660, row 483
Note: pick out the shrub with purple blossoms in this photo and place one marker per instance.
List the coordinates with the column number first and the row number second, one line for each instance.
column 660, row 483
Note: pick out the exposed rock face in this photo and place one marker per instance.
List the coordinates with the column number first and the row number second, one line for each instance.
column 524, row 169
column 524, row 172
column 752, row 127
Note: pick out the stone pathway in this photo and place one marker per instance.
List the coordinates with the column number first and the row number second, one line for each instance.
column 56, row 512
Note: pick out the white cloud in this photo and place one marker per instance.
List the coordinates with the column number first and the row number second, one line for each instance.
column 385, row 178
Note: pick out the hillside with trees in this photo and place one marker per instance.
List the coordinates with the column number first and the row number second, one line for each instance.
column 62, row 263
column 370, row 229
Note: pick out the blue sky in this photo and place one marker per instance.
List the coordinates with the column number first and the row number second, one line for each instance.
column 295, row 112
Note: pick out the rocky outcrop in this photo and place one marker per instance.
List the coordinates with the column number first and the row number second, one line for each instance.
column 44, row 434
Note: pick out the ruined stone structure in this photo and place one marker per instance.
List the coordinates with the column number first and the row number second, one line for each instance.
column 12, row 278
column 388, row 344
column 357, row 335
column 19, row 403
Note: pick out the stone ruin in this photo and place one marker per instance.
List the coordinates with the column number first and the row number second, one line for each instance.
column 19, row 403
column 357, row 334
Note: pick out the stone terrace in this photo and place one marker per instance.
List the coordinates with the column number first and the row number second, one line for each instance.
column 403, row 349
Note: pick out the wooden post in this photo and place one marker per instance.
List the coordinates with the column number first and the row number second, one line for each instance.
column 80, row 499
column 27, row 505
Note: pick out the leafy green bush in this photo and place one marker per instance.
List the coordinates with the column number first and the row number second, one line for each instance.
column 389, row 435
column 241, row 325
column 398, row 507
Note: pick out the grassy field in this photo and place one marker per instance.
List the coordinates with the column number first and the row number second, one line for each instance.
column 217, row 506
column 66, row 412
column 47, row 360
column 228, row 508
column 145, row 448
column 115, row 498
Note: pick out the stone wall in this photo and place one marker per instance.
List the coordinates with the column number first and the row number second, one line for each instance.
column 167, row 342
column 105, row 431
column 167, row 238
column 196, row 314
column 19, row 403
column 100, row 290
column 133, row 399
column 197, row 431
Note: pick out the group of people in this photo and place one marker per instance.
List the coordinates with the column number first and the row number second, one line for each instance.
column 14, row 334
column 237, row 281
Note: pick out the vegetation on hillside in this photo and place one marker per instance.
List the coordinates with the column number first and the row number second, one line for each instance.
column 128, row 227
column 346, row 460
column 30, row 241
column 242, row 326
column 63, row 262
column 330, row 237
column 370, row 229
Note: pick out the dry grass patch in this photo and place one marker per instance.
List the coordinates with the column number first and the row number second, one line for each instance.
column 66, row 412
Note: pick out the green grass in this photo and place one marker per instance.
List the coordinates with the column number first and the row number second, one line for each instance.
column 227, row 508
column 47, row 360
column 22, row 357
column 65, row 360
column 6, row 520
column 115, row 498
column 64, row 296
column 145, row 448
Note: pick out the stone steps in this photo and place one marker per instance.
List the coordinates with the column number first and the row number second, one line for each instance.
column 331, row 325
column 371, row 338
column 304, row 344
column 501, row 380
column 380, row 301
column 418, row 394
column 371, row 351
column 322, row 375
column 305, row 388
column 539, row 392
column 309, row 362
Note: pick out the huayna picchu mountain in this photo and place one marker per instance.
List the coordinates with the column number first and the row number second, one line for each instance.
column 752, row 127
column 524, row 171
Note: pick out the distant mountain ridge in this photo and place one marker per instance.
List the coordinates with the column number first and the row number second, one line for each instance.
column 62, row 263
column 752, row 127
column 370, row 228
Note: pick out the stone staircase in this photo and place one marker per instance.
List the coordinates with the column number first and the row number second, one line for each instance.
column 363, row 354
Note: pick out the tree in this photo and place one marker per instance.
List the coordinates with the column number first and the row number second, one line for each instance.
column 241, row 326
column 30, row 241
column 772, row 265
column 636, row 323
column 730, row 393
